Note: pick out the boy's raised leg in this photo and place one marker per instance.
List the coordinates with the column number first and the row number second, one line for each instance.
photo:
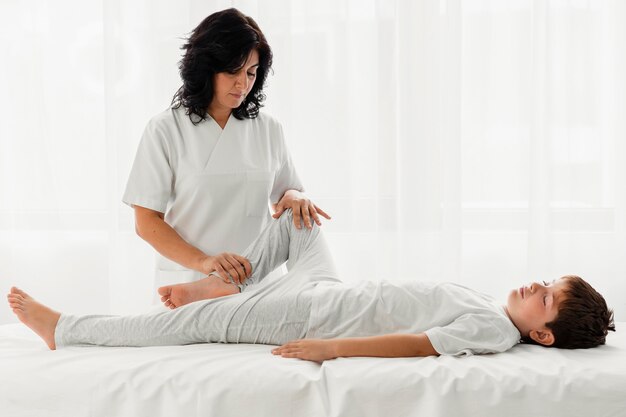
column 278, row 243
column 282, row 242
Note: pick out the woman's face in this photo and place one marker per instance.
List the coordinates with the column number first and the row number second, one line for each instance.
column 231, row 89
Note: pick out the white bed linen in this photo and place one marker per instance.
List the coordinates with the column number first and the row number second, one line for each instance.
column 247, row 380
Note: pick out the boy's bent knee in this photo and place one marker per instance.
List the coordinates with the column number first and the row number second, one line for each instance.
column 287, row 220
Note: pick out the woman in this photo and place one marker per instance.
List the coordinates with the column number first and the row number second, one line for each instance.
column 206, row 167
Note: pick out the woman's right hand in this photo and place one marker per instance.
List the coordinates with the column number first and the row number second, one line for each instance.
column 228, row 264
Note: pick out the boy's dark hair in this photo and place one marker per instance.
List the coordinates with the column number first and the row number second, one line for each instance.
column 583, row 320
column 221, row 43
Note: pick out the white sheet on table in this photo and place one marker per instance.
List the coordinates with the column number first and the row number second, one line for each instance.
column 238, row 380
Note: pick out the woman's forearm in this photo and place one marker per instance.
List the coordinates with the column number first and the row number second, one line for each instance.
column 386, row 346
column 164, row 239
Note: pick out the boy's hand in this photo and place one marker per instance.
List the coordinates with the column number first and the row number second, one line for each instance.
column 317, row 350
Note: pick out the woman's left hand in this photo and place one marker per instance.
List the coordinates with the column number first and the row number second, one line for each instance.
column 317, row 350
column 302, row 207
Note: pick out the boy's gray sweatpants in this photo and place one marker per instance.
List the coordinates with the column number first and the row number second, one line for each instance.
column 270, row 312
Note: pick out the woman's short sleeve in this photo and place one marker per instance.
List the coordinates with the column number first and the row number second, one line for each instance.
column 151, row 177
column 286, row 177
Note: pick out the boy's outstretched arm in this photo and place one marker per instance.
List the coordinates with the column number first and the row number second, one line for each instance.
column 387, row 346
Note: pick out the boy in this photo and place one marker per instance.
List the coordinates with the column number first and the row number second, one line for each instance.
column 313, row 316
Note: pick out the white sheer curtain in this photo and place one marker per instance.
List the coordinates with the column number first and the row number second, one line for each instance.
column 474, row 141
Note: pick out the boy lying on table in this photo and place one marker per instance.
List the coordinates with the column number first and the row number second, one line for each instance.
column 310, row 314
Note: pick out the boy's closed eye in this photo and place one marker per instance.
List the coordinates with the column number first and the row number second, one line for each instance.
column 545, row 296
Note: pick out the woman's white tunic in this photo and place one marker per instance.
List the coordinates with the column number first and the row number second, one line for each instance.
column 213, row 185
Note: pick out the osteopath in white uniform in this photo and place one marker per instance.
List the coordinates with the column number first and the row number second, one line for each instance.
column 207, row 167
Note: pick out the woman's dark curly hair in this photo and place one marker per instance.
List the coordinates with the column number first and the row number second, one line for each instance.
column 221, row 43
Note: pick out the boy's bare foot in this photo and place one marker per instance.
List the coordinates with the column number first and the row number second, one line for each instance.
column 41, row 319
column 210, row 287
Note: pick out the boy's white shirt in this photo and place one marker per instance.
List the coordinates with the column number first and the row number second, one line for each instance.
column 457, row 320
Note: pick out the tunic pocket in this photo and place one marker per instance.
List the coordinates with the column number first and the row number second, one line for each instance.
column 258, row 189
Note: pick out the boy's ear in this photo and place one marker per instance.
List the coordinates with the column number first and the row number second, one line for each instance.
column 543, row 337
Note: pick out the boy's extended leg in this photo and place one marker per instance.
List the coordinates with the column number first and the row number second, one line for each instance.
column 243, row 318
column 207, row 321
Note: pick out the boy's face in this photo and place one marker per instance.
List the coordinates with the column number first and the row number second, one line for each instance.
column 532, row 306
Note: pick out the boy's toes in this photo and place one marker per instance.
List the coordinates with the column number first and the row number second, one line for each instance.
column 165, row 291
column 16, row 290
column 13, row 298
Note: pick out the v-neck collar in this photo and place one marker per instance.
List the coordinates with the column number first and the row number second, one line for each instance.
column 224, row 139
column 228, row 122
